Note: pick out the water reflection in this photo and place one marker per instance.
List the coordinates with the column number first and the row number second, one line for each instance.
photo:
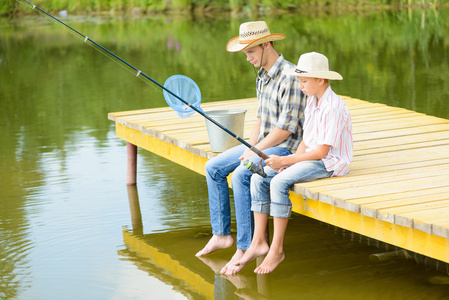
column 134, row 208
column 319, row 264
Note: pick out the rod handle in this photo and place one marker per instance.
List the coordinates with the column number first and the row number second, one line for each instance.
column 259, row 153
column 263, row 156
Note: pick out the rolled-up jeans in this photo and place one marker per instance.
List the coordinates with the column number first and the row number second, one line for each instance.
column 217, row 170
column 271, row 195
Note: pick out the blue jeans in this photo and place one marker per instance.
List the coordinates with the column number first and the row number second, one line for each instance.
column 217, row 170
column 271, row 195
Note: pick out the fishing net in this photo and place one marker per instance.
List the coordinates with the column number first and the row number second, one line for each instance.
column 186, row 89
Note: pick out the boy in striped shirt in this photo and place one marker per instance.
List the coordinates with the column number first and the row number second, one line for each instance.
column 326, row 151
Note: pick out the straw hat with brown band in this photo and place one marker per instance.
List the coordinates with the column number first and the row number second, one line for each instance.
column 313, row 65
column 252, row 34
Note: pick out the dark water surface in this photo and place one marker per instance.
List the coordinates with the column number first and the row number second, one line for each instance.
column 63, row 198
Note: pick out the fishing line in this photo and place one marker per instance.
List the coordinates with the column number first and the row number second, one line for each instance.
column 261, row 59
column 138, row 73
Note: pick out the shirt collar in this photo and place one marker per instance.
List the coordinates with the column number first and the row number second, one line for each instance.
column 275, row 69
column 324, row 98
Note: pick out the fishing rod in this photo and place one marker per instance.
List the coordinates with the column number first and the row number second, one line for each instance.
column 252, row 167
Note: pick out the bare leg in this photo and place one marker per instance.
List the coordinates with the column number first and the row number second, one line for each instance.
column 276, row 254
column 258, row 247
column 215, row 243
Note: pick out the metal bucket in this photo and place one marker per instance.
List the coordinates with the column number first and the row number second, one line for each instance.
column 233, row 120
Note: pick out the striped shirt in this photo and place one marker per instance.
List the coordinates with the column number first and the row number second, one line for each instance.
column 329, row 123
column 281, row 103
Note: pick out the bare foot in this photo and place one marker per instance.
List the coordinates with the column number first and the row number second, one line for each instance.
column 237, row 256
column 215, row 243
column 270, row 262
column 254, row 251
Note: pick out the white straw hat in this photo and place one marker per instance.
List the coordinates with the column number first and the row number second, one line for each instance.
column 252, row 34
column 314, row 65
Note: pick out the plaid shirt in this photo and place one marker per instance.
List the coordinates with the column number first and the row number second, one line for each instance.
column 281, row 103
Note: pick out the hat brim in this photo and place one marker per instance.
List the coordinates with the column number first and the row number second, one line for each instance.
column 234, row 44
column 331, row 75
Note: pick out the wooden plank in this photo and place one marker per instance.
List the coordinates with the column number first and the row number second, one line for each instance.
column 400, row 147
column 338, row 196
column 423, row 220
column 370, row 205
column 375, row 135
column 374, row 167
column 440, row 228
column 387, row 211
column 405, row 156
column 380, row 116
column 406, row 124
column 425, row 167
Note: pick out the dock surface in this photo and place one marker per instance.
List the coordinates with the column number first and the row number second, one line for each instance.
column 397, row 189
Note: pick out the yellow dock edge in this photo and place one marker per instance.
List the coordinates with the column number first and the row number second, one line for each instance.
column 404, row 237
column 166, row 150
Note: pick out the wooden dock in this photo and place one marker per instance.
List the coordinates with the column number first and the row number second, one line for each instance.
column 397, row 190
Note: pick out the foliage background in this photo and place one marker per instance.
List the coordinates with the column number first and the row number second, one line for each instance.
column 8, row 7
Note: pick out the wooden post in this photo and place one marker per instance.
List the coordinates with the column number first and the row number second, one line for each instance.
column 131, row 173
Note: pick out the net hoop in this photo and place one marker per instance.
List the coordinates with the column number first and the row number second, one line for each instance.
column 186, row 89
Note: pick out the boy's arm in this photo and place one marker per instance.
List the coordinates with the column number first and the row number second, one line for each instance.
column 255, row 132
column 275, row 137
column 280, row 162
column 252, row 140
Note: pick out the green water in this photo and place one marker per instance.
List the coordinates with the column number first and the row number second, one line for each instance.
column 64, row 202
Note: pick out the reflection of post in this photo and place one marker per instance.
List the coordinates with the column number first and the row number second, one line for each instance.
column 262, row 279
column 131, row 174
column 134, row 207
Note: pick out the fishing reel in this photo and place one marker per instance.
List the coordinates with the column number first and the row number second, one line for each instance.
column 254, row 168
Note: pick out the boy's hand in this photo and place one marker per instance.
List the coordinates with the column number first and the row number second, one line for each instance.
column 246, row 154
column 275, row 162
